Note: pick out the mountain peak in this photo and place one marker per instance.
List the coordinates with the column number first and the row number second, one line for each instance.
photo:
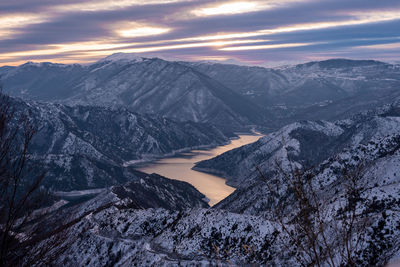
column 123, row 57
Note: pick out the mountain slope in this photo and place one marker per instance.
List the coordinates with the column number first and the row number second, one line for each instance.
column 126, row 235
column 330, row 89
column 143, row 85
column 302, row 142
column 86, row 147
column 227, row 95
column 117, row 134
column 371, row 138
column 143, row 223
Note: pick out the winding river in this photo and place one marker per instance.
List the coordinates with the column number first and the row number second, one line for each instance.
column 179, row 167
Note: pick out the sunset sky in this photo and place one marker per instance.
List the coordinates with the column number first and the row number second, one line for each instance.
column 266, row 32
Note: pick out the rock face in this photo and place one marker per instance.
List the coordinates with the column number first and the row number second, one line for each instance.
column 87, row 147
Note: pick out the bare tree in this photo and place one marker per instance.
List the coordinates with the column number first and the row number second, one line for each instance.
column 322, row 232
column 19, row 182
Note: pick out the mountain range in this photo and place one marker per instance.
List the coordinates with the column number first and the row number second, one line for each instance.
column 94, row 121
column 125, row 229
column 230, row 96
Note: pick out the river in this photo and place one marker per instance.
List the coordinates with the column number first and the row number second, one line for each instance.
column 179, row 167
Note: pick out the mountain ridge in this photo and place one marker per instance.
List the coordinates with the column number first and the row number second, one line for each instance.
column 231, row 96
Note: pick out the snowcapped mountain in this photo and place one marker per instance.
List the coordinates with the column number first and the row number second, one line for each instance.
column 150, row 220
column 86, row 147
column 146, row 85
column 371, row 137
column 122, row 57
column 330, row 89
column 227, row 95
column 123, row 235
column 294, row 85
column 304, row 143
column 301, row 142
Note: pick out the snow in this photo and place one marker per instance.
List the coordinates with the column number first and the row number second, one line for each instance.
column 122, row 57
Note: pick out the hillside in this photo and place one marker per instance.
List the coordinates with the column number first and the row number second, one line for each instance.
column 87, row 147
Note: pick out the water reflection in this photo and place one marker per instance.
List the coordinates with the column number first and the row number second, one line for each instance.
column 180, row 168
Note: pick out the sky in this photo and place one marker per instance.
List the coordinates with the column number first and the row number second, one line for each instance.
column 265, row 32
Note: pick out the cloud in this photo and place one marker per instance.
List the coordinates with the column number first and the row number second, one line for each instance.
column 255, row 31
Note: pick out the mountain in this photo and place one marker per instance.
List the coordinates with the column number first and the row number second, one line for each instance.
column 330, row 89
column 294, row 85
column 371, row 138
column 41, row 81
column 156, row 237
column 304, row 144
column 115, row 133
column 145, row 85
column 87, row 147
column 123, row 234
column 305, row 141
column 145, row 191
column 230, row 96
column 151, row 220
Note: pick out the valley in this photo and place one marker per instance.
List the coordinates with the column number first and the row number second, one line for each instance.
column 181, row 133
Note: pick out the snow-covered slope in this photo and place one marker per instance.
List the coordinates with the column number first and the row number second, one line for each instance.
column 304, row 143
column 86, row 147
column 122, row 234
column 145, row 85
column 150, row 221
column 300, row 142
column 371, row 138
column 330, row 89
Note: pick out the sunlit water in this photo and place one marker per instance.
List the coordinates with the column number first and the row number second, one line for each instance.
column 180, row 168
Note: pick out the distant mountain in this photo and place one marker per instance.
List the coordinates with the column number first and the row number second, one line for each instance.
column 144, row 85
column 340, row 63
column 230, row 96
column 330, row 89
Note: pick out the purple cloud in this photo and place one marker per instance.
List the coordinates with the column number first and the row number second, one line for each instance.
column 62, row 31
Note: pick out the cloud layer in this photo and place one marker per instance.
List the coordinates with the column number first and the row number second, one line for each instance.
column 264, row 32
